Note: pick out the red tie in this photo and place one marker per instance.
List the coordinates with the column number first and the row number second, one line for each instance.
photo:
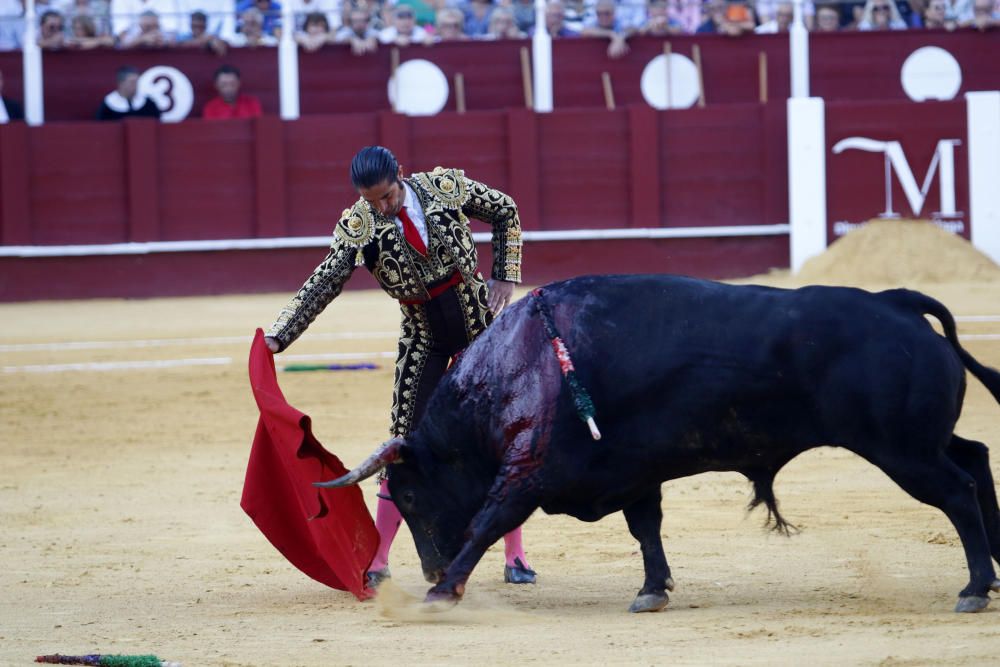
column 411, row 233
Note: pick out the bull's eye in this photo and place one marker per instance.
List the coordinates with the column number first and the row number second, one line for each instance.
column 407, row 498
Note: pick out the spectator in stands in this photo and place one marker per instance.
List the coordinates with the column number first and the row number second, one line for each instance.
column 230, row 102
column 575, row 13
column 316, row 32
column 631, row 13
column 477, row 16
column 503, row 26
column 270, row 16
column 424, row 11
column 198, row 37
column 11, row 24
column 827, row 18
column 219, row 23
column 959, row 11
column 781, row 22
column 524, row 15
column 450, row 25
column 404, row 30
column 881, row 15
column 555, row 20
column 766, row 13
column 125, row 101
column 85, row 35
column 303, row 9
column 126, row 14
column 149, row 36
column 658, row 22
column 51, row 31
column 251, row 32
column 685, row 13
column 727, row 18
column 9, row 109
column 935, row 16
column 96, row 11
column 606, row 24
column 358, row 32
column 984, row 16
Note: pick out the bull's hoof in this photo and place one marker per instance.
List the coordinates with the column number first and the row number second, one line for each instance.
column 518, row 573
column 649, row 602
column 971, row 604
column 995, row 586
column 441, row 600
column 670, row 584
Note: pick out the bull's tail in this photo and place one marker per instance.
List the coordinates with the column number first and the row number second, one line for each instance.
column 763, row 494
column 924, row 304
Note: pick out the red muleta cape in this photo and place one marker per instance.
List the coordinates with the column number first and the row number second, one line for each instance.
column 327, row 533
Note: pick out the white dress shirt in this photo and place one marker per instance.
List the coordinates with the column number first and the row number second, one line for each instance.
column 412, row 206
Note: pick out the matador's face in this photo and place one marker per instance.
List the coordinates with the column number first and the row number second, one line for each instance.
column 386, row 197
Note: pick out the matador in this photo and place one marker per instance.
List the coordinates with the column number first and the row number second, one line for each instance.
column 413, row 235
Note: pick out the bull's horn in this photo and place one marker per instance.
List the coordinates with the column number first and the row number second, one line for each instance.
column 387, row 453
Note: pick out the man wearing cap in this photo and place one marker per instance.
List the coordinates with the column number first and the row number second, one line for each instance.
column 413, row 235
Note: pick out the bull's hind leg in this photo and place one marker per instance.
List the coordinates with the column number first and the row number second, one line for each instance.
column 644, row 519
column 942, row 484
column 974, row 458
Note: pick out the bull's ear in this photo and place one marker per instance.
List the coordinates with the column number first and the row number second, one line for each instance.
column 388, row 452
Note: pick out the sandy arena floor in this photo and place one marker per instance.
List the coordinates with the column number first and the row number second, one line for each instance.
column 122, row 532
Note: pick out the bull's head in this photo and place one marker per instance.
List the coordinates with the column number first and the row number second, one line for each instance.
column 436, row 498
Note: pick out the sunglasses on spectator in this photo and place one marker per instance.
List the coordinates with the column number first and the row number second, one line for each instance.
column 880, row 8
column 404, row 15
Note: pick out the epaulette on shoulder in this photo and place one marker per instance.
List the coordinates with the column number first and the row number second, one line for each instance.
column 447, row 185
column 356, row 228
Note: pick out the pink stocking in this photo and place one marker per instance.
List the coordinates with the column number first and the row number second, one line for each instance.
column 387, row 520
column 514, row 548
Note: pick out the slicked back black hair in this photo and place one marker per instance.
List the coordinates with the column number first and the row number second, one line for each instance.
column 373, row 165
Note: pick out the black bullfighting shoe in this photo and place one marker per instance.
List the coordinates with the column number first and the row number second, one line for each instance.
column 376, row 577
column 518, row 573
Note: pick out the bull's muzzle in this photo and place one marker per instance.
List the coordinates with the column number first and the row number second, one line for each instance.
column 388, row 452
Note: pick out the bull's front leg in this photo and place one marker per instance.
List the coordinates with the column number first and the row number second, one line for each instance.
column 508, row 506
column 644, row 518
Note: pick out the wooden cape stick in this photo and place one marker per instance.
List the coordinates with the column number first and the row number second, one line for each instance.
column 393, row 66
column 667, row 50
column 459, row 92
column 529, row 97
column 609, row 93
column 762, row 76
column 696, row 52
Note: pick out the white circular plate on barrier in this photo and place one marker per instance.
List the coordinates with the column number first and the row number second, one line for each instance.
column 931, row 73
column 421, row 86
column 683, row 82
column 170, row 89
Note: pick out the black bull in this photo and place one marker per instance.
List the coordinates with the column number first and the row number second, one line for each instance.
column 687, row 376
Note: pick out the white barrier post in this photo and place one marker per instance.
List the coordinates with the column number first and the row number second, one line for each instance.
column 806, row 179
column 288, row 65
column 541, row 60
column 34, row 100
column 798, row 45
column 983, row 116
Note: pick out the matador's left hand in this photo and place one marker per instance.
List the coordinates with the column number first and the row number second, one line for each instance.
column 501, row 293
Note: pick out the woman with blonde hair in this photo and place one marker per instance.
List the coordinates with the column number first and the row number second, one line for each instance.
column 503, row 26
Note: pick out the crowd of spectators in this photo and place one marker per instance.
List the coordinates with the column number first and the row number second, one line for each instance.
column 217, row 25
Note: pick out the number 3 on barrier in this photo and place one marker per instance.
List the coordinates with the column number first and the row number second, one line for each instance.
column 170, row 89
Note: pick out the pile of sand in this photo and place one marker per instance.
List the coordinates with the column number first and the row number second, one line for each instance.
column 899, row 252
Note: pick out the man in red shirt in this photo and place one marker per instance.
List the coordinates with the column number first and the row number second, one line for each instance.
column 230, row 103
